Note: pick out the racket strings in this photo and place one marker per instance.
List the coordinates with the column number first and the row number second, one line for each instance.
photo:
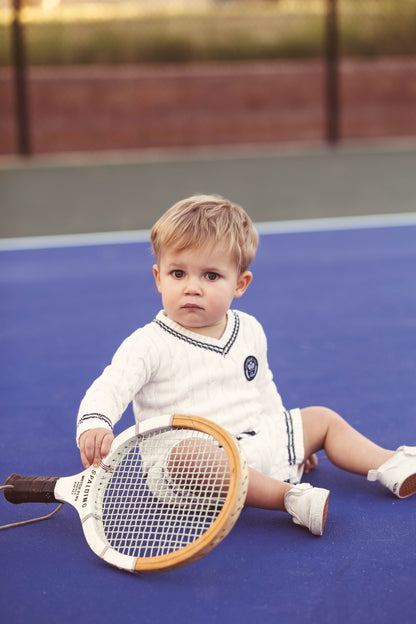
column 164, row 493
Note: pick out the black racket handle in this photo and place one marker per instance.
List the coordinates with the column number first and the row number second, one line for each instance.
column 30, row 489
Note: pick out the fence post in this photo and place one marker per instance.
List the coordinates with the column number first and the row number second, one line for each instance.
column 332, row 73
column 20, row 82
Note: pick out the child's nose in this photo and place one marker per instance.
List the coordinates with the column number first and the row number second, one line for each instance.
column 193, row 286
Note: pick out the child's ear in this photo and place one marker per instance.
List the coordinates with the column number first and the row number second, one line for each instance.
column 243, row 283
column 156, row 275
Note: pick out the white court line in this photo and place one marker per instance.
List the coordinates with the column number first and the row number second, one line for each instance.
column 271, row 227
column 74, row 240
column 338, row 223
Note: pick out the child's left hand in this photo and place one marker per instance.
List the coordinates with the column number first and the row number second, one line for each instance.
column 310, row 463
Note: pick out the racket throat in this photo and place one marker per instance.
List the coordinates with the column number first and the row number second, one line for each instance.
column 76, row 490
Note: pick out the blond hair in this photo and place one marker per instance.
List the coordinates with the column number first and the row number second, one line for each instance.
column 203, row 220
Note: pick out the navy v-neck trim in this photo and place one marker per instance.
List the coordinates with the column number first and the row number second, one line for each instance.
column 190, row 337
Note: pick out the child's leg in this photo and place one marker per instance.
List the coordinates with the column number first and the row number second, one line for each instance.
column 349, row 450
column 265, row 492
column 344, row 446
column 308, row 506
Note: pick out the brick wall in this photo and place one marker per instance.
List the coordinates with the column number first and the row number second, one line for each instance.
column 135, row 107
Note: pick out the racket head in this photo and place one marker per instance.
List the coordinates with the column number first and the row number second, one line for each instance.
column 169, row 492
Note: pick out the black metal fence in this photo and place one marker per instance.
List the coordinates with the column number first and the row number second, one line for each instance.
column 336, row 40
column 19, row 60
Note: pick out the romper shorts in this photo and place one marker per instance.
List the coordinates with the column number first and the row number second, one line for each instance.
column 277, row 448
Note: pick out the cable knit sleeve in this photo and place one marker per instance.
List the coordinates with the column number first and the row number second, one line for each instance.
column 108, row 397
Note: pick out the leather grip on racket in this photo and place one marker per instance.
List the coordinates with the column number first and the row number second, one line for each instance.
column 30, row 489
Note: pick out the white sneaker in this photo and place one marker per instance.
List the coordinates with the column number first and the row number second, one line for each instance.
column 398, row 473
column 308, row 506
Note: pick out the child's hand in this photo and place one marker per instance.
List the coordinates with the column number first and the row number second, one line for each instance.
column 94, row 444
column 310, row 463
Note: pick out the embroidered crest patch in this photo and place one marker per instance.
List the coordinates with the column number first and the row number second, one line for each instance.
column 251, row 367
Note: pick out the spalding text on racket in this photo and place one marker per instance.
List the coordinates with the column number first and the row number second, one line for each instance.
column 168, row 492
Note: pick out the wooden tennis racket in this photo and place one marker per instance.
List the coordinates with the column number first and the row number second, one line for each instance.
column 170, row 490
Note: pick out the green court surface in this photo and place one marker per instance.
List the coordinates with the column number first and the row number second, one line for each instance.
column 128, row 191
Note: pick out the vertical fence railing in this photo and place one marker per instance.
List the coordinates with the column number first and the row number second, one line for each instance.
column 332, row 98
column 20, row 82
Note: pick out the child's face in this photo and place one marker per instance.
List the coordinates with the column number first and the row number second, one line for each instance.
column 198, row 286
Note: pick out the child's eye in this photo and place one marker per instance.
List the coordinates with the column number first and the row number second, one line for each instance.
column 177, row 273
column 211, row 276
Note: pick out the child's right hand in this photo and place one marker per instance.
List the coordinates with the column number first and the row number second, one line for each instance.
column 95, row 444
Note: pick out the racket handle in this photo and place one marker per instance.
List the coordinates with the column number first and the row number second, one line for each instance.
column 30, row 489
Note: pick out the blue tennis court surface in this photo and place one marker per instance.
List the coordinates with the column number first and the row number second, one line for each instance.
column 339, row 309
